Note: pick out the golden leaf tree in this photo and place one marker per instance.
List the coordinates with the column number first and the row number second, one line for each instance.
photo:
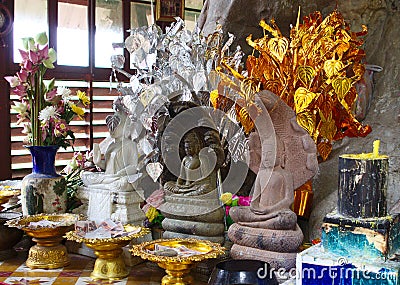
column 314, row 72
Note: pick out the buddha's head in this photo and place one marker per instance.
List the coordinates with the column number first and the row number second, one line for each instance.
column 192, row 143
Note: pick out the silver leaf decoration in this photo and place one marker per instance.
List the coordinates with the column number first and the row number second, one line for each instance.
column 112, row 122
column 199, row 80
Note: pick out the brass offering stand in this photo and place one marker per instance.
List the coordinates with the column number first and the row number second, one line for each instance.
column 6, row 195
column 48, row 253
column 178, row 267
column 109, row 263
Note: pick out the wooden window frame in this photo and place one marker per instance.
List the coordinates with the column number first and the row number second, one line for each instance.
column 162, row 13
column 90, row 73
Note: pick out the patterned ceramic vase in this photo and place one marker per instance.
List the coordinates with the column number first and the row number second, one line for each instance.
column 43, row 191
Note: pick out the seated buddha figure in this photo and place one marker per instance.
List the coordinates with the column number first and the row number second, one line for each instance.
column 119, row 160
column 197, row 175
column 273, row 192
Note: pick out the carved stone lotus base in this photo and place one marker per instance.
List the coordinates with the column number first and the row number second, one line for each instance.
column 277, row 247
column 275, row 259
column 193, row 217
column 169, row 234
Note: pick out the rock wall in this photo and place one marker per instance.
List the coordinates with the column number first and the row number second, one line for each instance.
column 382, row 46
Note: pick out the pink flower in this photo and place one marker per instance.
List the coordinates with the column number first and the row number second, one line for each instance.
column 20, row 90
column 43, row 53
column 34, row 57
column 60, row 128
column 22, row 75
column 60, row 106
column 41, row 105
column 227, row 210
column 28, row 66
column 24, row 54
column 51, row 95
column 80, row 159
column 244, row 200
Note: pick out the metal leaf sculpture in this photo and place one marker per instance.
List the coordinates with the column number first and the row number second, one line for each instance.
column 313, row 71
column 305, row 74
column 303, row 99
column 332, row 67
column 278, row 47
column 112, row 122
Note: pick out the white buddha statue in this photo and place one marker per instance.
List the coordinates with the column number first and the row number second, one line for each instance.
column 117, row 155
column 112, row 193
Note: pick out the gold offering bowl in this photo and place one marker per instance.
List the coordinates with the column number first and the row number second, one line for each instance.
column 48, row 253
column 178, row 267
column 109, row 263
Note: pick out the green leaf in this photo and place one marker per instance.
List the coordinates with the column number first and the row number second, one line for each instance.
column 52, row 55
column 48, row 63
column 60, row 187
column 50, row 86
column 41, row 38
column 28, row 43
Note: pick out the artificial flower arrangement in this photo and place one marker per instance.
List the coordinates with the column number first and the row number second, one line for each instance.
column 79, row 162
column 44, row 110
column 230, row 200
column 154, row 217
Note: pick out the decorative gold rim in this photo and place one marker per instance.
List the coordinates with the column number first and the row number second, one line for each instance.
column 73, row 236
column 21, row 223
column 140, row 250
column 9, row 193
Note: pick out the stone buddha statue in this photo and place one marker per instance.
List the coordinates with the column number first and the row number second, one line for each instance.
column 197, row 176
column 192, row 156
column 284, row 157
column 273, row 192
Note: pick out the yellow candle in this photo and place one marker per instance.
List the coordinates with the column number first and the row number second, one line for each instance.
column 376, row 148
column 371, row 155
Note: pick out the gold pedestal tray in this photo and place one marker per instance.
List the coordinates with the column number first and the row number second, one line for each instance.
column 6, row 195
column 178, row 267
column 48, row 253
column 109, row 263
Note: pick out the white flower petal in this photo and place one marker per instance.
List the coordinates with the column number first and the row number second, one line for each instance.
column 47, row 113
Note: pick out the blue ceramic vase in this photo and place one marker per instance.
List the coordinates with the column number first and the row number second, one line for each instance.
column 43, row 190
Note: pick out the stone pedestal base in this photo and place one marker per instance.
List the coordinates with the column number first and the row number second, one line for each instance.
column 277, row 247
column 277, row 260
column 217, row 239
column 119, row 206
column 198, row 217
